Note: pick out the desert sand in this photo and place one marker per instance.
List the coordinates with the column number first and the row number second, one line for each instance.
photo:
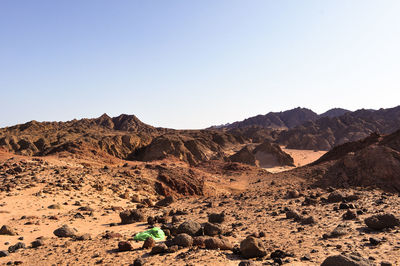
column 254, row 201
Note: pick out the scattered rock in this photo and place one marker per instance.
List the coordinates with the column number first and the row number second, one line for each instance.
column 131, row 216
column 138, row 262
column 252, row 247
column 212, row 229
column 37, row 243
column 183, row 240
column 65, row 231
column 217, row 243
column 159, row 249
column 291, row 214
column 344, row 260
column 136, row 198
column 307, row 220
column 109, row 235
column 216, row 218
column 175, row 219
column 349, row 215
column 149, row 243
column 15, row 247
column 335, row 197
column 3, row 253
column 190, row 227
column 293, row 194
column 340, row 230
column 280, row 254
column 86, row 209
column 83, row 237
column 382, row 221
column 247, row 263
column 6, row 230
column 124, row 246
column 173, row 249
column 199, row 241
column 165, row 202
column 374, row 241
column 79, row 216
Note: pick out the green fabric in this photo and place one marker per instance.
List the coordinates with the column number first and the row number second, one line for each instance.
column 155, row 232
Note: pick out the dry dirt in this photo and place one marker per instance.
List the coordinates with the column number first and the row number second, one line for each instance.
column 300, row 157
column 253, row 200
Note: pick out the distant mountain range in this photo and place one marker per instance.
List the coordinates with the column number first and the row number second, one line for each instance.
column 328, row 132
column 284, row 120
column 127, row 137
column 301, row 128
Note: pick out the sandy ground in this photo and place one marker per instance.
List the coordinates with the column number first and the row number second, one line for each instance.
column 253, row 202
column 300, row 157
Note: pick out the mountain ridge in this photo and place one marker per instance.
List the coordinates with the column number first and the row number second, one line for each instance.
column 282, row 120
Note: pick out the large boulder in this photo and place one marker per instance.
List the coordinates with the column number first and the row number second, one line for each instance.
column 382, row 221
column 335, row 197
column 159, row 249
column 343, row 260
column 190, row 227
column 6, row 230
column 212, row 229
column 15, row 247
column 65, row 231
column 216, row 218
column 131, row 216
column 165, row 201
column 292, row 214
column 183, row 240
column 124, row 246
column 149, row 243
column 217, row 243
column 340, row 230
column 251, row 248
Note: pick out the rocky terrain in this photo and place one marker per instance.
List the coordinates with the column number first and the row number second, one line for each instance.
column 123, row 137
column 114, row 136
column 301, row 128
column 277, row 120
column 219, row 197
column 328, row 132
column 265, row 155
column 374, row 161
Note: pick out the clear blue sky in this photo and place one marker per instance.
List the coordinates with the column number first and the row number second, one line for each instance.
column 192, row 64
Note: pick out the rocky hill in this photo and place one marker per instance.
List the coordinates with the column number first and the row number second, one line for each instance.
column 328, row 132
column 301, row 128
column 334, row 112
column 371, row 162
column 282, row 120
column 117, row 136
column 189, row 146
column 123, row 137
column 264, row 155
column 212, row 212
column 277, row 120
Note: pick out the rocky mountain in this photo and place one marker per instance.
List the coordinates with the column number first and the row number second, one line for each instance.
column 211, row 209
column 328, row 132
column 123, row 137
column 263, row 155
column 334, row 112
column 277, row 120
column 116, row 136
column 282, row 120
column 373, row 161
column 189, row 146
